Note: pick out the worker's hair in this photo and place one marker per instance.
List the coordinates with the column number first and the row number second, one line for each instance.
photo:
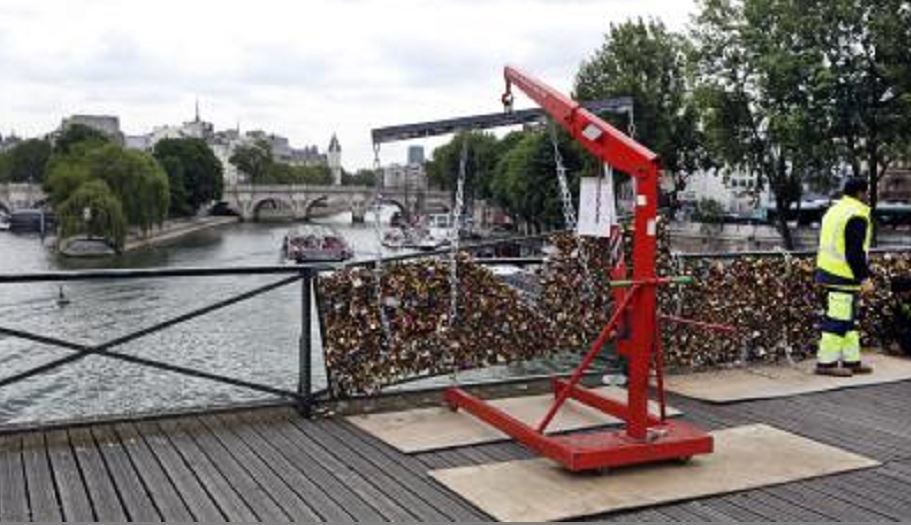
column 855, row 186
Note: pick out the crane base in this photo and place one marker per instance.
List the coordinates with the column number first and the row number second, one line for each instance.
column 667, row 441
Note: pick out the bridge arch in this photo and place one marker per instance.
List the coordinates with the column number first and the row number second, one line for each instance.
column 272, row 207
column 322, row 200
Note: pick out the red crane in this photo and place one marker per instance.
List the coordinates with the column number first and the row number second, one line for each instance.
column 645, row 438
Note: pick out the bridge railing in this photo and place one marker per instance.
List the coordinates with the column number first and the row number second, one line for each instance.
column 302, row 396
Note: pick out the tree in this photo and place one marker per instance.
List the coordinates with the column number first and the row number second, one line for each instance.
column 867, row 46
column 763, row 86
column 651, row 64
column 28, row 161
column 362, row 177
column 480, row 162
column 105, row 214
column 525, row 183
column 255, row 160
column 133, row 178
column 78, row 134
column 195, row 174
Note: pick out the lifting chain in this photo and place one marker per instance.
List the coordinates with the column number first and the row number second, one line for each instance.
column 378, row 265
column 454, row 233
column 569, row 212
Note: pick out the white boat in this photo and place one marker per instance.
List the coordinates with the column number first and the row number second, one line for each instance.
column 416, row 238
column 315, row 243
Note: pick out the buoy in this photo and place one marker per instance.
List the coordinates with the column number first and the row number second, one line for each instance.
column 62, row 300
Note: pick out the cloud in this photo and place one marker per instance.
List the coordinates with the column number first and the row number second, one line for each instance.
column 305, row 69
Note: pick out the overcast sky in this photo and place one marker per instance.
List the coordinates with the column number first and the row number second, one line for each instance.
column 303, row 69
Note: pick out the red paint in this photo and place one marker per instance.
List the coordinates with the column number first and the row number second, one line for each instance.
column 645, row 437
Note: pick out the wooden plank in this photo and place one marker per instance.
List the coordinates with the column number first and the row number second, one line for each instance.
column 771, row 508
column 13, row 498
column 296, row 508
column 102, row 493
column 228, row 501
column 155, row 480
column 259, row 500
column 834, row 509
column 406, row 469
column 42, row 494
column 832, row 502
column 744, row 458
column 272, row 431
column 189, row 488
column 136, row 500
column 776, row 381
column 361, row 486
column 394, row 487
column 73, row 496
column 425, row 429
column 322, row 503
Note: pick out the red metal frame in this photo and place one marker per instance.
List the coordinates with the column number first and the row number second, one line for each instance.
column 646, row 438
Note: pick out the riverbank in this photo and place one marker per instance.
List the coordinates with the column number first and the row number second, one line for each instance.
column 173, row 229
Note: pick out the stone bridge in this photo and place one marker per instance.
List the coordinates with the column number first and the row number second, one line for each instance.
column 299, row 202
column 17, row 196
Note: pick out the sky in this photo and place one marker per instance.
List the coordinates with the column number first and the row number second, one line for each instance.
column 303, row 69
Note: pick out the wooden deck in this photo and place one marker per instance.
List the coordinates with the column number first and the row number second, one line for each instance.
column 272, row 465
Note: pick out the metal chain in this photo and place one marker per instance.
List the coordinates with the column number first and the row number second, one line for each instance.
column 631, row 126
column 378, row 265
column 569, row 212
column 454, row 233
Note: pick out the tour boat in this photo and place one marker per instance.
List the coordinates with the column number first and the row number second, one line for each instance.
column 315, row 243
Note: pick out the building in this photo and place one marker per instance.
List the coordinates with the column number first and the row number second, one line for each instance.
column 895, row 185
column 334, row 158
column 415, row 154
column 737, row 192
column 107, row 124
column 409, row 176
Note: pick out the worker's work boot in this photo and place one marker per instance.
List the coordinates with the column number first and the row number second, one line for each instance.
column 833, row 370
column 858, row 367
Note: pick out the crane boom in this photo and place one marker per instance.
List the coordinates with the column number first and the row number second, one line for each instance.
column 600, row 138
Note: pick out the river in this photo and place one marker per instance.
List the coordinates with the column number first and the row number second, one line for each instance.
column 255, row 340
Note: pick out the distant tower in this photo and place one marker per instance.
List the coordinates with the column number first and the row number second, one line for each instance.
column 197, row 110
column 335, row 160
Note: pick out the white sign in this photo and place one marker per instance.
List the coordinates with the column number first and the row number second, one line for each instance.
column 597, row 209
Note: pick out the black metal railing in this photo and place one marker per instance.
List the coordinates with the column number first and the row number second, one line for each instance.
column 302, row 397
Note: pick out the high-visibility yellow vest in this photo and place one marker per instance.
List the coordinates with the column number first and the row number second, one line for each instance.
column 831, row 256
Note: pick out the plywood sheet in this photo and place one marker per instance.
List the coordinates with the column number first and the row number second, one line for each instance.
column 425, row 429
column 767, row 382
column 745, row 457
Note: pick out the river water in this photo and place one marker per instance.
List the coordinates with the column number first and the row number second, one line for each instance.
column 255, row 340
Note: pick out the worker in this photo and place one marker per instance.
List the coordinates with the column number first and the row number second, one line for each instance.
column 841, row 268
column 901, row 314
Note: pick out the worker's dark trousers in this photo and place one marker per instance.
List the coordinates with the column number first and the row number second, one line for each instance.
column 840, row 340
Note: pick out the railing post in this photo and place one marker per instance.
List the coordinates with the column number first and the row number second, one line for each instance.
column 304, row 387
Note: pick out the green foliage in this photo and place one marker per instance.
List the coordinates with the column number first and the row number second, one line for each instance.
column 255, row 160
column 764, row 86
column 360, row 178
column 708, row 210
column 106, row 217
column 133, row 178
column 195, row 174
column 26, row 162
column 481, row 160
column 651, row 64
column 281, row 173
column 81, row 134
column 867, row 46
column 6, row 167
